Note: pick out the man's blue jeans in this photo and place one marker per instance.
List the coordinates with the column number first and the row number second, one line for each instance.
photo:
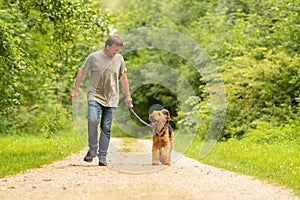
column 94, row 110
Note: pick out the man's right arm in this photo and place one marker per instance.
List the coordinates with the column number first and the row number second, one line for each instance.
column 79, row 78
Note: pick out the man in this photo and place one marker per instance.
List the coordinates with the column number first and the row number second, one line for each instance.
column 106, row 67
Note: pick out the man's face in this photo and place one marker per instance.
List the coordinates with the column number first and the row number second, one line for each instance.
column 112, row 50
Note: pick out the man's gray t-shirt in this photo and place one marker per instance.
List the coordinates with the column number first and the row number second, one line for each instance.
column 104, row 77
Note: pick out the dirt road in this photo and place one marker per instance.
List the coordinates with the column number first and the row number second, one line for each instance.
column 130, row 176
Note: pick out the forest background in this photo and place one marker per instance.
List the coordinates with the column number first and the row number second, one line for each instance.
column 253, row 44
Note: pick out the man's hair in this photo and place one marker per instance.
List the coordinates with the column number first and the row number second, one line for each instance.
column 114, row 39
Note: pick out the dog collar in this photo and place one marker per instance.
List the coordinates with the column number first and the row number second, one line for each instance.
column 162, row 130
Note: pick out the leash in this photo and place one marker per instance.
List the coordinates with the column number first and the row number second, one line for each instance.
column 131, row 109
column 151, row 125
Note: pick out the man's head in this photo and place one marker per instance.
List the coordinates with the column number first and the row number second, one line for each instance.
column 114, row 39
column 113, row 45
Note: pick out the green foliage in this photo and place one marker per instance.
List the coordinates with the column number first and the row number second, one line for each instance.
column 254, row 44
column 266, row 89
column 260, row 71
column 46, row 120
column 255, row 47
column 268, row 133
column 12, row 59
column 42, row 45
column 197, row 119
column 276, row 24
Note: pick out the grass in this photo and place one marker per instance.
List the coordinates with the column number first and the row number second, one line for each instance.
column 277, row 163
column 21, row 152
column 127, row 143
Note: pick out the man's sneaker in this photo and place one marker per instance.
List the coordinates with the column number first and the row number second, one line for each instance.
column 102, row 161
column 90, row 155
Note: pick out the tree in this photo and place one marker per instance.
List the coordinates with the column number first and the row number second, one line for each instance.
column 42, row 45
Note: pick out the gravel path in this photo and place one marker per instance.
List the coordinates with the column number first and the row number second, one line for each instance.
column 131, row 176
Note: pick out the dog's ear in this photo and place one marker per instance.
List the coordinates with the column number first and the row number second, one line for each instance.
column 167, row 113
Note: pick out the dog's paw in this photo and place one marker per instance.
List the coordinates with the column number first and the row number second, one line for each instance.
column 167, row 163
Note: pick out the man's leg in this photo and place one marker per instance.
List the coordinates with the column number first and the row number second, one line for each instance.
column 106, row 121
column 94, row 109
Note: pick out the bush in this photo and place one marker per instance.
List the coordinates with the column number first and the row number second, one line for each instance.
column 260, row 89
column 268, row 133
column 7, row 125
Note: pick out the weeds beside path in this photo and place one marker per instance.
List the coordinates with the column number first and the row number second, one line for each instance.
column 72, row 178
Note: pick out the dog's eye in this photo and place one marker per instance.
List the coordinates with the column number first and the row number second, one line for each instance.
column 165, row 113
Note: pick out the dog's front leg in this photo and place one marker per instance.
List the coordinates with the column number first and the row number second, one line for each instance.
column 170, row 152
column 165, row 155
column 155, row 157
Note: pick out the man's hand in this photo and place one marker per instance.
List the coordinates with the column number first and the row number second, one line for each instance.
column 73, row 95
column 129, row 102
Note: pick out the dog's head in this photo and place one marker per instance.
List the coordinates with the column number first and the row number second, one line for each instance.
column 160, row 117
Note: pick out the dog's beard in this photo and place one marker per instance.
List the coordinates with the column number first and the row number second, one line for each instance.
column 154, row 123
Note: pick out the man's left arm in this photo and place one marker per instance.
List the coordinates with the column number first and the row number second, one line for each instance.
column 125, row 86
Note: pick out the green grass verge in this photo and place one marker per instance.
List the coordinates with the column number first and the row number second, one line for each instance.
column 277, row 163
column 127, row 143
column 21, row 152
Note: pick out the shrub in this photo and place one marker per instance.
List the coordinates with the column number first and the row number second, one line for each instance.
column 260, row 89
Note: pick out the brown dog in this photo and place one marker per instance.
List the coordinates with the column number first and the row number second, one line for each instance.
column 163, row 137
